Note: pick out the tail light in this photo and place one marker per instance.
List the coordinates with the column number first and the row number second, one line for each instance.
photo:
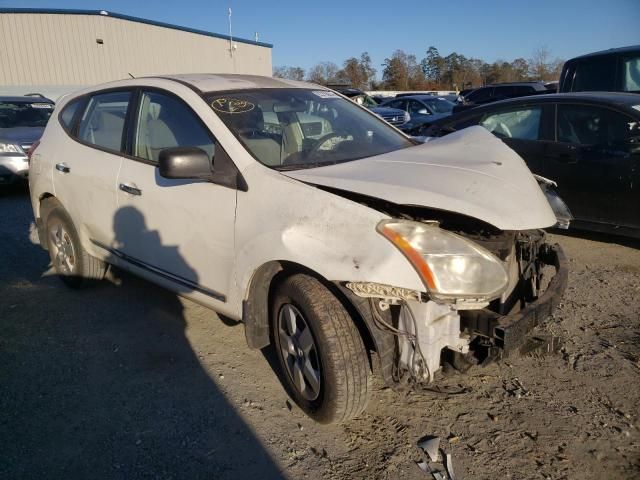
column 32, row 149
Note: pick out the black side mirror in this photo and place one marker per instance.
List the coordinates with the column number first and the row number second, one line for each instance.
column 185, row 162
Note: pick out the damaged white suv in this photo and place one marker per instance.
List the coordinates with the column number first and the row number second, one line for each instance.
column 329, row 233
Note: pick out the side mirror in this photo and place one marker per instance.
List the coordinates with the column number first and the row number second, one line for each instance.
column 423, row 111
column 185, row 162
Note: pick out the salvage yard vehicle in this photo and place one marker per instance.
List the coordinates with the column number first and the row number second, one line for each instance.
column 22, row 121
column 589, row 143
column 422, row 109
column 613, row 70
column 337, row 250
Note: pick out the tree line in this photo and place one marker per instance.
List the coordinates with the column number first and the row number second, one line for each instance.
column 403, row 71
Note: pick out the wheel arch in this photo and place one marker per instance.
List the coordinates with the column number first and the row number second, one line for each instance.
column 257, row 302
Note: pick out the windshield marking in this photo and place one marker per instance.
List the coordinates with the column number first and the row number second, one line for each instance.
column 232, row 105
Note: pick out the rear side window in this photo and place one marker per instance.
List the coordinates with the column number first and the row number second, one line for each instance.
column 503, row 92
column 590, row 126
column 523, row 90
column 166, row 122
column 480, row 95
column 523, row 124
column 595, row 75
column 102, row 123
column 69, row 111
column 631, row 75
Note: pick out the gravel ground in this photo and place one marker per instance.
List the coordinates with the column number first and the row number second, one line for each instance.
column 126, row 380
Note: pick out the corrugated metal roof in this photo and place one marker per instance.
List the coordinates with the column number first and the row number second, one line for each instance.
column 62, row 11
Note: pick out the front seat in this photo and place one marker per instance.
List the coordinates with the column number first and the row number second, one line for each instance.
column 250, row 128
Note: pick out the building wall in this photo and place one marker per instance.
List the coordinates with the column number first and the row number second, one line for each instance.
column 61, row 49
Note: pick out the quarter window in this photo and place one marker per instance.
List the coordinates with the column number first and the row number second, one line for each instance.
column 166, row 122
column 103, row 121
column 523, row 124
column 66, row 117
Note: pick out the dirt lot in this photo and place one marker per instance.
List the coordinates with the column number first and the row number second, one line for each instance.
column 128, row 381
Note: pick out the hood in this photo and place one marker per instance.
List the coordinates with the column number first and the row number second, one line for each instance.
column 470, row 172
column 21, row 135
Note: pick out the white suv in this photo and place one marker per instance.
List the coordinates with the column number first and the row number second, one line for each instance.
column 328, row 232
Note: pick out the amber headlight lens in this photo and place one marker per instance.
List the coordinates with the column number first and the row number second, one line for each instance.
column 450, row 266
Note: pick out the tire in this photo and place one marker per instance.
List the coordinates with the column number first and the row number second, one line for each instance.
column 313, row 333
column 75, row 267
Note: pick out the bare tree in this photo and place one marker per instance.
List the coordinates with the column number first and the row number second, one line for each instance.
column 323, row 73
column 292, row 73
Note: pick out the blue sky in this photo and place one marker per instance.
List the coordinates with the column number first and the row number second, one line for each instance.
column 305, row 33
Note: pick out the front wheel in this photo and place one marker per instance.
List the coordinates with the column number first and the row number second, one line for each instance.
column 325, row 365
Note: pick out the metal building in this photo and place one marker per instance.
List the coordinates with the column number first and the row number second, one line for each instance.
column 53, row 49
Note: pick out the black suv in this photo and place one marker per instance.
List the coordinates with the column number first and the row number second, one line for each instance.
column 613, row 70
column 500, row 91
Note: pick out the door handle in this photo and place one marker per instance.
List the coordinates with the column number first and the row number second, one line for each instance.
column 129, row 189
column 63, row 167
column 566, row 158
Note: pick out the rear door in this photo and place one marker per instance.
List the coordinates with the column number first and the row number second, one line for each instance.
column 522, row 128
column 86, row 170
column 594, row 163
column 181, row 230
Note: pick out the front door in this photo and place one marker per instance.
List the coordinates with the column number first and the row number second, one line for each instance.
column 182, row 230
column 594, row 164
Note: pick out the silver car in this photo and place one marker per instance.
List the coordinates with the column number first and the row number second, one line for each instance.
column 22, row 121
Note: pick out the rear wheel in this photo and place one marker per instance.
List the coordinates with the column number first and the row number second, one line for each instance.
column 325, row 365
column 69, row 259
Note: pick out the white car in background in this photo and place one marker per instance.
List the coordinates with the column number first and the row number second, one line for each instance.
column 328, row 232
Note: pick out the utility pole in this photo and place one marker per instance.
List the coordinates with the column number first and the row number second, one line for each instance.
column 230, row 35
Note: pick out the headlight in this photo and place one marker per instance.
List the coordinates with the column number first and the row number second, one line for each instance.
column 407, row 117
column 10, row 148
column 450, row 266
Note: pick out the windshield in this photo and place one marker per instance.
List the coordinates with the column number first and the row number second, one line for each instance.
column 23, row 114
column 297, row 128
column 440, row 105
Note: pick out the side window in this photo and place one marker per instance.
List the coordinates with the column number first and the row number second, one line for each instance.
column 595, row 75
column 466, row 122
column 69, row 111
column 102, row 123
column 631, row 75
column 417, row 107
column 480, row 95
column 166, row 122
column 523, row 90
column 400, row 104
column 522, row 124
column 592, row 126
column 503, row 92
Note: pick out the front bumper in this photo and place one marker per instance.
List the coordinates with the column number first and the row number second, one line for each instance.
column 13, row 167
column 511, row 330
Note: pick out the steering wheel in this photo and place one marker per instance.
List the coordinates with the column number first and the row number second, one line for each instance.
column 322, row 140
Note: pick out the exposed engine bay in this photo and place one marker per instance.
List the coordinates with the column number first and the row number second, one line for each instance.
column 466, row 331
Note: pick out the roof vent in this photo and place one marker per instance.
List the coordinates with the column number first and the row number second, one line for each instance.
column 104, row 12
